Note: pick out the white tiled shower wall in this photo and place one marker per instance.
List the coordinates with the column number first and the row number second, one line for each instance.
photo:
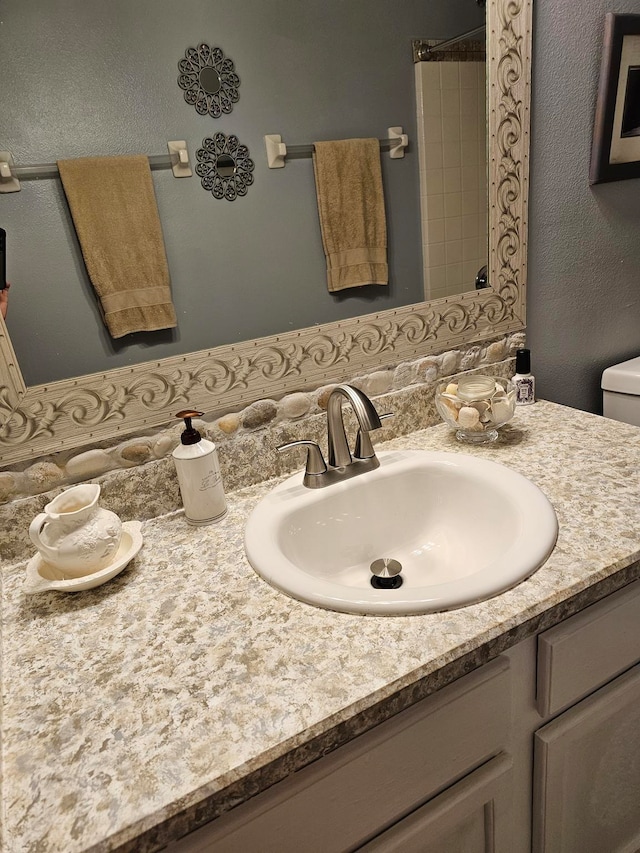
column 452, row 133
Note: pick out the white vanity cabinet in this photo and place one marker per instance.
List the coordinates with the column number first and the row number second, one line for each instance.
column 587, row 774
column 538, row 750
column 587, row 758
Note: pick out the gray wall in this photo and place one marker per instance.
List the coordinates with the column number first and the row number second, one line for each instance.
column 85, row 77
column 584, row 242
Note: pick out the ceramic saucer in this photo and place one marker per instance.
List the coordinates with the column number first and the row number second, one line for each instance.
column 42, row 577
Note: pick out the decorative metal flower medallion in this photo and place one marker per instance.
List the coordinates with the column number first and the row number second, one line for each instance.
column 209, row 80
column 224, row 166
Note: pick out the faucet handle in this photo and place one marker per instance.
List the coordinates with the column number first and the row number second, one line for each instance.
column 315, row 459
column 364, row 448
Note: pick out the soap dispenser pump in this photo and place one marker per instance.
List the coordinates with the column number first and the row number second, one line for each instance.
column 198, row 469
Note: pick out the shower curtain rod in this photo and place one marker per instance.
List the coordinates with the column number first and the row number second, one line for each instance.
column 425, row 50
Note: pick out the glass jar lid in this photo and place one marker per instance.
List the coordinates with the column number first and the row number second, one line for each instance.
column 476, row 387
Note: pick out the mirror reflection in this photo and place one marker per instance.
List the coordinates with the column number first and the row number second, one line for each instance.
column 452, row 138
column 225, row 165
column 239, row 271
column 210, row 80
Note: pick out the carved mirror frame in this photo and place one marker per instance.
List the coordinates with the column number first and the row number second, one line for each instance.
column 70, row 413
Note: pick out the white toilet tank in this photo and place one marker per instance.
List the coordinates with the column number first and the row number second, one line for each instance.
column 621, row 392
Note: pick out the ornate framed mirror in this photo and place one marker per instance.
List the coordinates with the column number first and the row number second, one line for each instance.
column 224, row 166
column 209, row 80
column 40, row 419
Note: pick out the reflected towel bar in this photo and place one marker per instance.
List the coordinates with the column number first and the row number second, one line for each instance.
column 278, row 151
column 177, row 159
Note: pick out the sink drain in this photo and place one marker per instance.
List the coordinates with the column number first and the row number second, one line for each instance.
column 386, row 573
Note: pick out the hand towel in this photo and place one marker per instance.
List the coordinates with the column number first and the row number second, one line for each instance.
column 351, row 207
column 114, row 210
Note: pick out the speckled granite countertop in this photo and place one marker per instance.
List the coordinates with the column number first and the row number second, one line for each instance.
column 135, row 711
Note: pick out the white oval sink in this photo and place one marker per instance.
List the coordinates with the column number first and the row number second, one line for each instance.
column 463, row 528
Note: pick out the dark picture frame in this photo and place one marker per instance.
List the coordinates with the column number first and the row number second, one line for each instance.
column 615, row 152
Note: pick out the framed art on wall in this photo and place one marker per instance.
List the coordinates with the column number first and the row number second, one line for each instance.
column 615, row 153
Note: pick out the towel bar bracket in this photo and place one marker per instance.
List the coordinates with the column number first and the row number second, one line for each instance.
column 399, row 142
column 179, row 159
column 278, row 151
column 8, row 182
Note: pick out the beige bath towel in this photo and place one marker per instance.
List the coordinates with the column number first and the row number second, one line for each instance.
column 351, row 207
column 115, row 215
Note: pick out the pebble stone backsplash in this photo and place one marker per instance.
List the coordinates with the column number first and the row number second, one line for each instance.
column 246, row 441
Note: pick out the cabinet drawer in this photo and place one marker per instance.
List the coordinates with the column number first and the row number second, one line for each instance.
column 356, row 792
column 588, row 649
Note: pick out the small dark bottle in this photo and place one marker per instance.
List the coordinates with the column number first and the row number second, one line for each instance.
column 524, row 380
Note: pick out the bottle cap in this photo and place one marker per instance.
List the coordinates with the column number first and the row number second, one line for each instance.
column 191, row 434
column 523, row 361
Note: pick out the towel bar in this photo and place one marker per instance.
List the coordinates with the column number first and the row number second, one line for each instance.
column 177, row 160
column 278, row 151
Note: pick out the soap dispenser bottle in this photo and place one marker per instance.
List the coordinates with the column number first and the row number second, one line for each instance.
column 198, row 469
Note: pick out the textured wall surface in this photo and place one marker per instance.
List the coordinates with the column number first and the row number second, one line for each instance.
column 583, row 309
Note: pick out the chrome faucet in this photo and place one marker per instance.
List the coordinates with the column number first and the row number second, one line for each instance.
column 341, row 464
